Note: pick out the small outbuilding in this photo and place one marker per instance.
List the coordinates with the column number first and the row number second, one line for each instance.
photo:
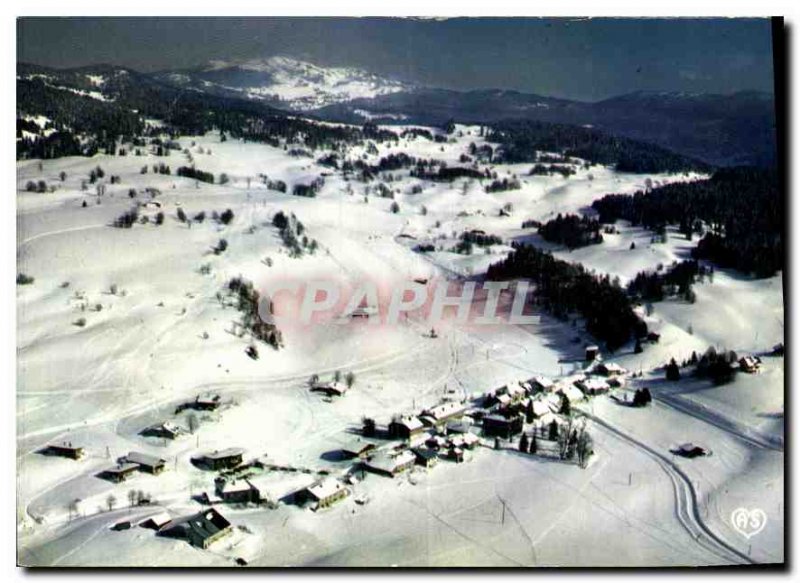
column 220, row 459
column 66, row 449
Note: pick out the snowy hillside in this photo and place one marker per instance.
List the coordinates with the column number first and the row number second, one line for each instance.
column 128, row 329
column 287, row 82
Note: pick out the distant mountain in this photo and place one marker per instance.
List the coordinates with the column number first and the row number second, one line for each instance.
column 722, row 130
column 283, row 82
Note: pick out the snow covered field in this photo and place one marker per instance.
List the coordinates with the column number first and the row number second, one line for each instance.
column 121, row 326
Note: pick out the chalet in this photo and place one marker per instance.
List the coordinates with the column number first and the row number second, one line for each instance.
column 357, row 449
column 147, row 463
column 572, row 392
column 499, row 426
column 207, row 402
column 441, row 414
column 541, row 383
column 592, row 353
column 205, row 528
column 425, row 457
column 156, row 521
column 405, row 427
column 516, row 392
column 750, row 364
column 690, row 450
column 591, row 387
column 233, row 491
column 544, row 404
column 326, row 492
column 120, row 473
column 388, row 465
column 331, row 389
column 436, row 442
column 66, row 449
column 167, row 430
column 465, row 441
column 610, row 369
column 455, row 454
column 219, row 460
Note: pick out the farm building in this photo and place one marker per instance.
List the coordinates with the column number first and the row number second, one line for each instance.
column 425, row 457
column 331, row 389
column 405, row 427
column 388, row 465
column 499, row 426
column 147, row 463
column 120, row 473
column 592, row 353
column 66, row 450
column 205, row 528
column 219, row 460
column 357, row 449
column 325, row 492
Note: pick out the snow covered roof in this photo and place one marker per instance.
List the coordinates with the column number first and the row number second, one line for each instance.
column 326, row 488
column 411, row 422
column 357, row 446
column 144, row 459
column 504, row 399
column 389, row 463
column 572, row 393
column 592, row 385
column 236, row 486
column 220, row 454
column 331, row 386
column 123, row 468
column 515, row 390
column 208, row 523
column 445, row 410
column 158, row 520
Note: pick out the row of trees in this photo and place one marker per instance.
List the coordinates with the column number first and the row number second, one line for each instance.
column 676, row 280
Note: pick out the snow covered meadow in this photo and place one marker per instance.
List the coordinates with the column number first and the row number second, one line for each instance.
column 121, row 326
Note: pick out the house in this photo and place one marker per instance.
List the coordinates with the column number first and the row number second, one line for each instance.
column 750, row 364
column 590, row 387
column 218, row 460
column 690, row 450
column 592, row 353
column 66, row 449
column 499, row 426
column 544, row 404
column 610, row 369
column 436, row 442
column 326, row 492
column 357, row 449
column 167, row 430
column 464, row 441
column 390, row 465
column 541, row 383
column 233, row 491
column 120, row 473
column 572, row 392
column 156, row 521
column 331, row 389
column 516, row 392
column 441, row 414
column 405, row 427
column 207, row 402
column 455, row 454
column 206, row 527
column 147, row 463
column 425, row 457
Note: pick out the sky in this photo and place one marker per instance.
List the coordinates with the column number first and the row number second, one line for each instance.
column 584, row 59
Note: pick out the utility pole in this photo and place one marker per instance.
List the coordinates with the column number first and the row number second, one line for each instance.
column 503, row 519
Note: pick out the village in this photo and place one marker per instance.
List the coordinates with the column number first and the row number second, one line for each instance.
column 538, row 416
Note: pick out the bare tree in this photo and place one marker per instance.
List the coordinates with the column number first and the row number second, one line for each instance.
column 111, row 501
column 350, row 379
column 131, row 497
column 193, row 421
